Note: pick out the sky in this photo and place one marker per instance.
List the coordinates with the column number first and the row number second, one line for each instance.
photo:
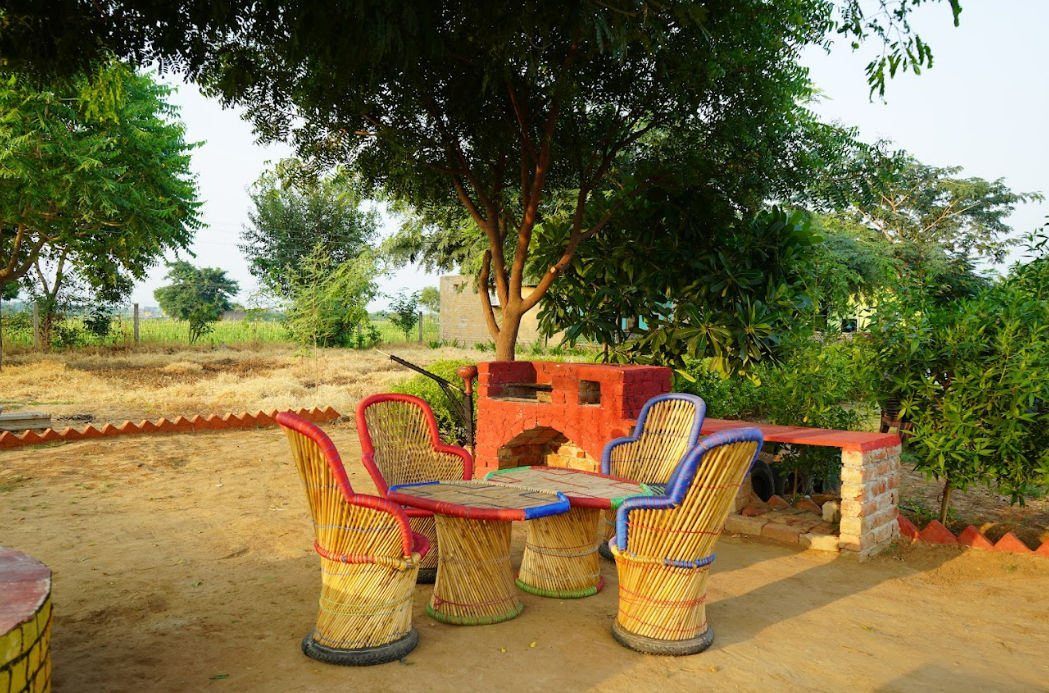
column 982, row 106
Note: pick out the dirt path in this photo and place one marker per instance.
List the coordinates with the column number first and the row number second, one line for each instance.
column 184, row 563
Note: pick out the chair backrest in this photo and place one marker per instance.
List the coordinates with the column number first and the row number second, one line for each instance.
column 344, row 523
column 682, row 527
column 400, row 443
column 667, row 428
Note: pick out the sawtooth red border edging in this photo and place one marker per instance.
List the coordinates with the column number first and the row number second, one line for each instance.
column 179, row 424
column 936, row 533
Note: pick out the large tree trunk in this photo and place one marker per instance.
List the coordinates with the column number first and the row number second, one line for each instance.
column 506, row 339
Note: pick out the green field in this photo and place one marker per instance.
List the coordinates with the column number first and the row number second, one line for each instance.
column 158, row 331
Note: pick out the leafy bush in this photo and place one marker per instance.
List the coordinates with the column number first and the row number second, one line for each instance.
column 419, row 385
column 329, row 299
column 98, row 322
column 971, row 376
column 816, row 384
column 405, row 308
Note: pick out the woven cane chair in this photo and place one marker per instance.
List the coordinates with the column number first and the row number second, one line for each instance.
column 667, row 428
column 663, row 546
column 369, row 558
column 400, row 445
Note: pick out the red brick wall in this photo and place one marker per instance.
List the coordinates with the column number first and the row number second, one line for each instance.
column 587, row 404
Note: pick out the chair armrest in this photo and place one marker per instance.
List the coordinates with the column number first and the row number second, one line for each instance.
column 637, row 503
column 606, row 454
column 368, row 459
column 462, row 454
column 387, row 506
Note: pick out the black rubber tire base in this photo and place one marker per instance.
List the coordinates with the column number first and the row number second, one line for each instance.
column 361, row 657
column 605, row 552
column 427, row 576
column 676, row 648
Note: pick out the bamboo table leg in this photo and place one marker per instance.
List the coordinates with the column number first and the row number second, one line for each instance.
column 475, row 581
column 560, row 557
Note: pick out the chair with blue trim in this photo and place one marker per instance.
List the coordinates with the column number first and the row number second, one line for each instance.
column 663, row 546
column 369, row 558
column 667, row 428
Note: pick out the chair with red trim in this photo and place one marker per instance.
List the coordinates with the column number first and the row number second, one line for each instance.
column 369, row 558
column 400, row 445
column 663, row 546
column 667, row 428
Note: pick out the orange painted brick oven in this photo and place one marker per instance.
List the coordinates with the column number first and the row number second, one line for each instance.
column 558, row 414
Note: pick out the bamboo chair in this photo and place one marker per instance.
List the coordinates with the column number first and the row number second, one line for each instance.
column 400, row 445
column 663, row 546
column 667, row 428
column 369, row 558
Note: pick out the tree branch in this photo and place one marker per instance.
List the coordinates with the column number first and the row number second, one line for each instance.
column 486, row 300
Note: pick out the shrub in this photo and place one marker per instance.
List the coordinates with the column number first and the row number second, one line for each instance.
column 448, row 424
column 816, row 385
column 970, row 375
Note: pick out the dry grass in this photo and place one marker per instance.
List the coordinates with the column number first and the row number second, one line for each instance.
column 114, row 385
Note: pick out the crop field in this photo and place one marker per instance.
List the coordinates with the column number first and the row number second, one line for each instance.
column 17, row 332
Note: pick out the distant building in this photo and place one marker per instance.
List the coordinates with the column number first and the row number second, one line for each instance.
column 462, row 317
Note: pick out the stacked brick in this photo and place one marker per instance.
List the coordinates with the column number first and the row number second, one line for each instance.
column 25, row 624
column 870, row 493
column 529, row 410
column 179, row 424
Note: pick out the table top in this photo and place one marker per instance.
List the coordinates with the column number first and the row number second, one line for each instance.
column 480, row 500
column 583, row 489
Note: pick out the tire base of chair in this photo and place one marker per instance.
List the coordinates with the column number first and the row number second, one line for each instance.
column 363, row 656
column 657, row 646
column 605, row 552
column 427, row 576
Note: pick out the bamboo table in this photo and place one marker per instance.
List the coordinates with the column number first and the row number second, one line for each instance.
column 560, row 557
column 475, row 581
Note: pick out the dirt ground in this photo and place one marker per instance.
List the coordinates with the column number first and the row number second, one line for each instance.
column 185, row 563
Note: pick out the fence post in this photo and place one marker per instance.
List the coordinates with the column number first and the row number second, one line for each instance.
column 136, row 324
column 36, row 325
column 420, row 327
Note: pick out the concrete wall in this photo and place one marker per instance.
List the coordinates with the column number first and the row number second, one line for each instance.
column 462, row 319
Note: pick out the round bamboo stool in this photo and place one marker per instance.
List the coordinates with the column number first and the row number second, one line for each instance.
column 475, row 581
column 560, row 557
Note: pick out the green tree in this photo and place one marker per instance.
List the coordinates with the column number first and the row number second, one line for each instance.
column 292, row 215
column 198, row 295
column 329, row 300
column 430, row 298
column 970, row 377
column 405, row 307
column 909, row 203
column 727, row 295
column 99, row 192
column 487, row 108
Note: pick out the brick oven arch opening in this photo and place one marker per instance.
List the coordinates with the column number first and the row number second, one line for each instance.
column 544, row 446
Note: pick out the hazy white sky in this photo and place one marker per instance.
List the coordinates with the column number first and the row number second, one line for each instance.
column 983, row 106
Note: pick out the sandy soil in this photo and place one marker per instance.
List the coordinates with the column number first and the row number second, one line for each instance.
column 184, row 563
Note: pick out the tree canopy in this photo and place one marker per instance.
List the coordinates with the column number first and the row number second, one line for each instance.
column 489, row 108
column 291, row 217
column 104, row 192
column 198, row 295
column 908, row 202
